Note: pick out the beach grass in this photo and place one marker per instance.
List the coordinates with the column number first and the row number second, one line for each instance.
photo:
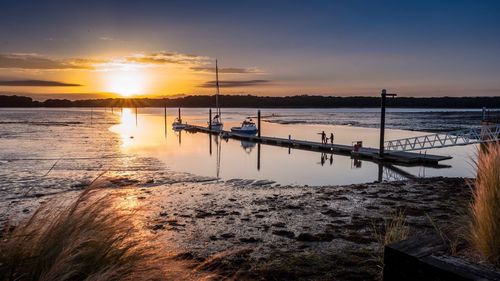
column 394, row 229
column 485, row 207
column 91, row 238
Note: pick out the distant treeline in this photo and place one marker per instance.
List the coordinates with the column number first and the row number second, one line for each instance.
column 259, row 102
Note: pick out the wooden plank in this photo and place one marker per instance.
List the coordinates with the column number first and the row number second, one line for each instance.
column 424, row 258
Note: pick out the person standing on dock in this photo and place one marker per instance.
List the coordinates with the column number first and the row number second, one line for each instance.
column 323, row 137
column 331, row 138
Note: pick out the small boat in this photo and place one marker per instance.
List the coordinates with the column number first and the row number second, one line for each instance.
column 177, row 124
column 247, row 127
column 216, row 124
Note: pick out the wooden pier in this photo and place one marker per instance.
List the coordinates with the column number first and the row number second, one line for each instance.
column 402, row 158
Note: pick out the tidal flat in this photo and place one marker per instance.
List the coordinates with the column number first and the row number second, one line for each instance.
column 231, row 228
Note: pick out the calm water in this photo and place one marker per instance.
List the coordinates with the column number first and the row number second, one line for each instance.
column 56, row 148
column 206, row 155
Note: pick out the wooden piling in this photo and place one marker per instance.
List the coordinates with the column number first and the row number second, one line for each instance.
column 210, row 119
column 383, row 95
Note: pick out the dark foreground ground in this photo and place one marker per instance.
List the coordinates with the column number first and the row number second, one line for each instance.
column 256, row 230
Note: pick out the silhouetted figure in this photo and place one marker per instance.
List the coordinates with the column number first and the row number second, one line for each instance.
column 331, row 138
column 323, row 137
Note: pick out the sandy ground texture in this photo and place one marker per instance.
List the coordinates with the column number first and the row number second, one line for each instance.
column 254, row 230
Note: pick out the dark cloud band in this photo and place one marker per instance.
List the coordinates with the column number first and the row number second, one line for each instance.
column 37, row 83
column 235, row 84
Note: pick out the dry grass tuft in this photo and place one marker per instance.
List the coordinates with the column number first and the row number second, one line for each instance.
column 485, row 208
column 93, row 238
column 394, row 229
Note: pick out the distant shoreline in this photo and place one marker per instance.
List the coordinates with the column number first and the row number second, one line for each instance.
column 248, row 101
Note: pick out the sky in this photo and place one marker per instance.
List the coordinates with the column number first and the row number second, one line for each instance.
column 81, row 49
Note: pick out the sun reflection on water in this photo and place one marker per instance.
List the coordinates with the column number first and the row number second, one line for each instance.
column 127, row 127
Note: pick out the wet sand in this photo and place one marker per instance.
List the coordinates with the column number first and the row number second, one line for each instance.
column 280, row 232
column 256, row 229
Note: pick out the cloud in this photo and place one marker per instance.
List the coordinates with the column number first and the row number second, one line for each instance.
column 235, row 84
column 104, row 38
column 36, row 83
column 168, row 58
column 34, row 61
column 229, row 70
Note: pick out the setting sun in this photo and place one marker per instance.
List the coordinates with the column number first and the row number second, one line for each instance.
column 126, row 83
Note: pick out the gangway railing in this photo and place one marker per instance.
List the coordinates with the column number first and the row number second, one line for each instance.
column 489, row 133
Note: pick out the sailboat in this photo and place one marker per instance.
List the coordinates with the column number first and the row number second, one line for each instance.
column 216, row 123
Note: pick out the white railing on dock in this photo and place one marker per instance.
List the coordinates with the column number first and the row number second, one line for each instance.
column 483, row 134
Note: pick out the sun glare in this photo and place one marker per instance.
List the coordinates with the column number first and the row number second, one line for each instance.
column 126, row 83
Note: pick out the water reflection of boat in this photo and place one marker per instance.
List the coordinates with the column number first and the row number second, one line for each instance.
column 216, row 123
column 247, row 145
column 247, row 127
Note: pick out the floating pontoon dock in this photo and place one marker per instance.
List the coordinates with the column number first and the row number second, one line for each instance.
column 404, row 158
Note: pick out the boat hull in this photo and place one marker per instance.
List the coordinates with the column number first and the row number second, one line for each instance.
column 244, row 131
column 178, row 126
column 217, row 127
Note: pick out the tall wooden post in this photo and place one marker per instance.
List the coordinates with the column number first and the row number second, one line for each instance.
column 136, row 115
column 384, row 95
column 179, row 115
column 210, row 120
column 258, row 123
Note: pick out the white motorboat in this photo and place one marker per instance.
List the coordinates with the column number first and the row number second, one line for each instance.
column 247, row 127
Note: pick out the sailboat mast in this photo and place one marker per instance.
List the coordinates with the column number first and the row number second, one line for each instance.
column 217, row 86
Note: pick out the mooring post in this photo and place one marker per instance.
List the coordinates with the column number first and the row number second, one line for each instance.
column 210, row 120
column 258, row 123
column 179, row 115
column 384, row 95
column 136, row 115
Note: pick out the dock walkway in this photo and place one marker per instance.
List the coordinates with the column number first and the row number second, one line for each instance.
column 403, row 158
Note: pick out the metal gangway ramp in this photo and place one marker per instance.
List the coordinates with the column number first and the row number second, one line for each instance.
column 483, row 134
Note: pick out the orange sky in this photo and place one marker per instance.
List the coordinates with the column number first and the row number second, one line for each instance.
column 326, row 47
